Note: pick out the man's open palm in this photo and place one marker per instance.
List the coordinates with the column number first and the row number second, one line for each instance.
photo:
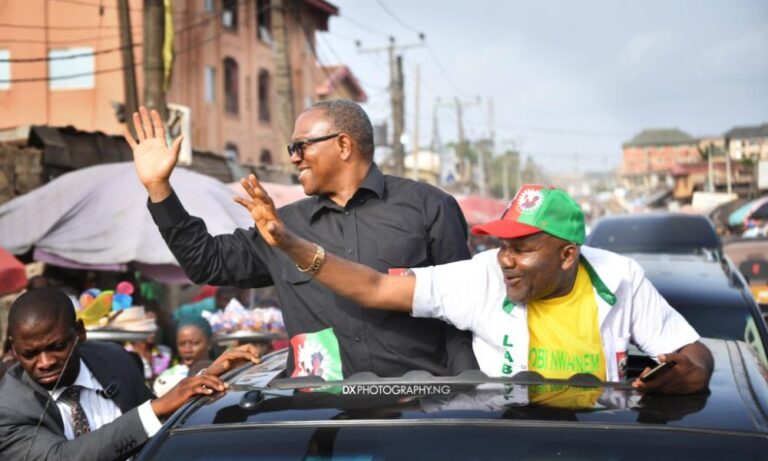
column 153, row 159
column 262, row 210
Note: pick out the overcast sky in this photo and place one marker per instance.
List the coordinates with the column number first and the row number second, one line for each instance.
column 570, row 80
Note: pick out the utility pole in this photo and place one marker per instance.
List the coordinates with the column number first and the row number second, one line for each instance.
column 729, row 188
column 505, row 179
column 279, row 9
column 416, row 125
column 396, row 90
column 465, row 174
column 154, row 37
column 481, row 178
column 130, row 93
column 709, row 169
column 397, row 93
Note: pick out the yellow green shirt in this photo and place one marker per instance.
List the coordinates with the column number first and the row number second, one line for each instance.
column 564, row 333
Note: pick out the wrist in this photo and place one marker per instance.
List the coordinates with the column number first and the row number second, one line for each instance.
column 158, row 191
column 158, row 408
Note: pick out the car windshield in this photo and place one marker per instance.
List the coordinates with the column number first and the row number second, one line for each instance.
column 523, row 440
column 643, row 235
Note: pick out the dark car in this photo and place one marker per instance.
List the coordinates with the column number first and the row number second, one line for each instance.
column 683, row 258
column 656, row 233
column 266, row 416
column 712, row 295
column 751, row 257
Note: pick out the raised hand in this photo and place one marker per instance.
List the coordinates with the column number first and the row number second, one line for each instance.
column 262, row 210
column 153, row 159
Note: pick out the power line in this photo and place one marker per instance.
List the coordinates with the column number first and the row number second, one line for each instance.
column 99, row 5
column 346, row 37
column 562, row 131
column 59, row 42
column 400, row 21
column 364, row 27
column 444, row 72
column 104, row 71
column 137, row 27
column 32, row 26
column 431, row 51
column 71, row 56
column 333, row 52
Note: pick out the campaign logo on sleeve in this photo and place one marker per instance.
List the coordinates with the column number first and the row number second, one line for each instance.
column 317, row 354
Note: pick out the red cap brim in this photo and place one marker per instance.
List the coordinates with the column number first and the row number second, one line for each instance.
column 504, row 229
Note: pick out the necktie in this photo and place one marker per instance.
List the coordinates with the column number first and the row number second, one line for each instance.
column 71, row 397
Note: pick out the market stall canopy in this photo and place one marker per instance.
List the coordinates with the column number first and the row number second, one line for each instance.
column 97, row 218
column 478, row 210
column 13, row 276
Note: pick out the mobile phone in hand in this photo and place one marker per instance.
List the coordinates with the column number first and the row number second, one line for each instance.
column 657, row 371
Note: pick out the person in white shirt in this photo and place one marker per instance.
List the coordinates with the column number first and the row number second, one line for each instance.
column 68, row 399
column 542, row 302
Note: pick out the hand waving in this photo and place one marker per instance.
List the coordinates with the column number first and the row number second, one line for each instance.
column 153, row 160
column 262, row 210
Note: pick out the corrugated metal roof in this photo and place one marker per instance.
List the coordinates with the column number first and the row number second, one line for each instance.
column 660, row 137
column 739, row 132
column 67, row 148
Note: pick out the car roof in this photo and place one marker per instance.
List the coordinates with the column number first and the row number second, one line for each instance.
column 654, row 232
column 692, row 279
column 711, row 295
column 738, row 402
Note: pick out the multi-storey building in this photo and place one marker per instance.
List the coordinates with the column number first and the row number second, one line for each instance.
column 242, row 69
column 652, row 154
column 748, row 142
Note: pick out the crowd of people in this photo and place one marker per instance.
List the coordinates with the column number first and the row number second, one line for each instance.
column 373, row 273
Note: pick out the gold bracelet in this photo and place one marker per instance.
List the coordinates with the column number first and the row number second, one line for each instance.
column 317, row 261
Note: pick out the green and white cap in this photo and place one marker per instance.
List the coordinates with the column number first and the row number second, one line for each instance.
column 538, row 209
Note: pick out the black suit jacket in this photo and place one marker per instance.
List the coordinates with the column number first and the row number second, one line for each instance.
column 23, row 401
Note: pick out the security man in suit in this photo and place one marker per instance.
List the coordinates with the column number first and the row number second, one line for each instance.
column 67, row 399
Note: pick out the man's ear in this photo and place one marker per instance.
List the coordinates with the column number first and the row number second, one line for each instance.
column 12, row 348
column 346, row 145
column 80, row 329
column 569, row 255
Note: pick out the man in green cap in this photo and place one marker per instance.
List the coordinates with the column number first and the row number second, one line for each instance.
column 542, row 302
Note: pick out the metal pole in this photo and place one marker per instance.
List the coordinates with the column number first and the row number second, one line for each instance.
column 416, row 125
column 130, row 92
column 709, row 169
column 154, row 36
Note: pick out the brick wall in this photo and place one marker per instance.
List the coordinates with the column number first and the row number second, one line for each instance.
column 21, row 170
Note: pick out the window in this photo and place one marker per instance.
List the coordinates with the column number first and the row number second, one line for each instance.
column 230, row 86
column 266, row 157
column 264, row 21
column 231, row 152
column 229, row 14
column 208, row 5
column 263, row 92
column 210, row 83
column 5, row 69
column 70, row 73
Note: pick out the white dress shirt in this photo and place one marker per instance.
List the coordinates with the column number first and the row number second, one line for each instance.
column 99, row 410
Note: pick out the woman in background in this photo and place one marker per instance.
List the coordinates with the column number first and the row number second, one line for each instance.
column 193, row 342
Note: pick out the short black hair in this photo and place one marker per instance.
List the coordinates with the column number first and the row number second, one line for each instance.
column 349, row 117
column 40, row 304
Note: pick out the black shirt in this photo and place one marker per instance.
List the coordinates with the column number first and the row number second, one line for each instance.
column 390, row 222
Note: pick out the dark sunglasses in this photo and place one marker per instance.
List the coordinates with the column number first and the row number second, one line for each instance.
column 297, row 147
